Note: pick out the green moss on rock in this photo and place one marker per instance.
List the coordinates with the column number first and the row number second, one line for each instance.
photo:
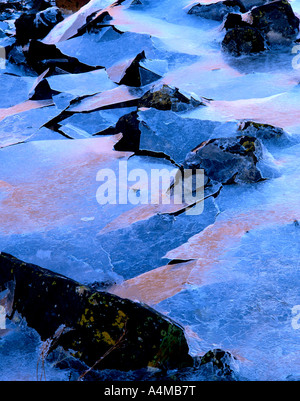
column 96, row 320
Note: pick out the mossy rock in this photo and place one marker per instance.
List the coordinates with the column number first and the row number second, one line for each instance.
column 228, row 160
column 243, row 40
column 165, row 97
column 91, row 323
column 276, row 20
column 267, row 133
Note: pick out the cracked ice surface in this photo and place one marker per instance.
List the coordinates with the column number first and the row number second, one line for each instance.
column 237, row 272
column 245, row 304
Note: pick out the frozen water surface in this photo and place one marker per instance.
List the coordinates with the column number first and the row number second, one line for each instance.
column 245, row 304
column 95, row 122
column 87, row 83
column 20, row 127
column 236, row 276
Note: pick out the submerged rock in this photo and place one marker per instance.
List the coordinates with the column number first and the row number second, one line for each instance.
column 216, row 11
column 228, row 160
column 92, row 324
column 160, row 97
column 215, row 364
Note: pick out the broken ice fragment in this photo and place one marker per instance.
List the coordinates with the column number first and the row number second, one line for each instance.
column 121, row 96
column 81, row 84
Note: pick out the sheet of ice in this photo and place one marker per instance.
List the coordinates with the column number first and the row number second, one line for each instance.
column 70, row 25
column 270, row 110
column 167, row 132
column 121, row 96
column 87, row 83
column 220, row 82
column 178, row 31
column 25, row 362
column 238, row 291
column 97, row 121
column 20, row 127
column 142, row 246
column 242, row 208
column 245, row 304
column 91, row 50
column 45, row 202
column 63, row 100
column 50, row 215
column 18, row 87
column 44, row 134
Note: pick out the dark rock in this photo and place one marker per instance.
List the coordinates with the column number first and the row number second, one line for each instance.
column 92, row 324
column 276, row 20
column 8, row 10
column 234, row 21
column 24, row 5
column 243, row 40
column 248, row 4
column 37, row 5
column 220, row 361
column 270, row 24
column 36, row 26
column 11, row 6
column 15, row 55
column 216, row 11
column 41, row 89
column 164, row 97
column 268, row 134
column 136, row 3
column 130, row 72
column 41, row 56
column 25, row 28
column 228, row 160
column 128, row 125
